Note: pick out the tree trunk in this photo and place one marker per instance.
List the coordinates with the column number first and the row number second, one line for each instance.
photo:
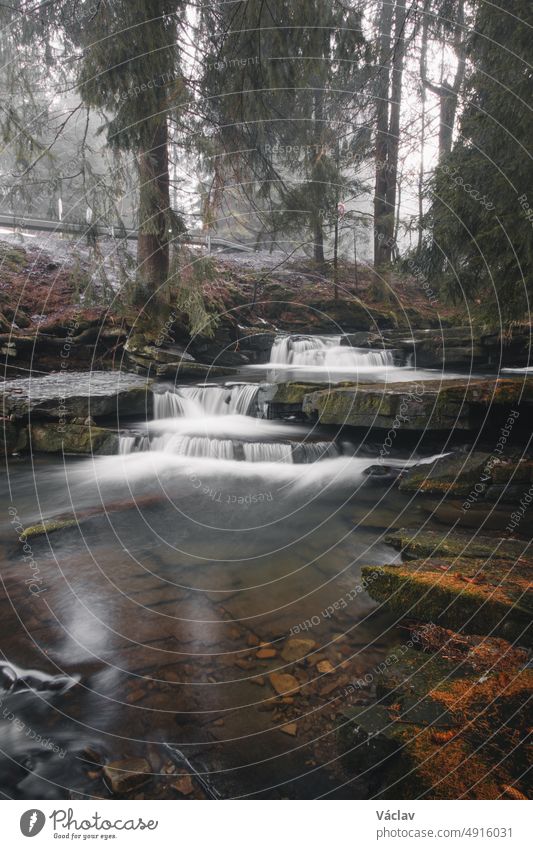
column 318, row 245
column 421, row 170
column 448, row 92
column 154, row 205
column 393, row 144
column 381, row 251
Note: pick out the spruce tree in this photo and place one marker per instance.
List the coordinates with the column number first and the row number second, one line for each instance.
column 286, row 87
column 482, row 199
column 130, row 70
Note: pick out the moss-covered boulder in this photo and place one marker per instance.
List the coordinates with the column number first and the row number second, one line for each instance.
column 71, row 438
column 474, row 595
column 447, row 724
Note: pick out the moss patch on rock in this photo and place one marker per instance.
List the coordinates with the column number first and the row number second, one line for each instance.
column 73, row 439
column 474, row 595
column 415, row 544
column 447, row 725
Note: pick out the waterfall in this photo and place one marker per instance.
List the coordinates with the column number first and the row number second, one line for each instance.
column 310, row 452
column 126, row 444
column 325, row 351
column 267, row 452
column 197, row 401
column 194, row 446
column 301, row 350
column 230, row 449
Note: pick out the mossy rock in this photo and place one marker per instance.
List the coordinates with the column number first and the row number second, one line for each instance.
column 49, row 526
column 294, row 393
column 13, row 437
column 451, row 724
column 415, row 544
column 467, row 594
column 456, row 474
column 73, row 439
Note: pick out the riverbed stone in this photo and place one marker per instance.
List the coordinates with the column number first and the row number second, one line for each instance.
column 474, row 595
column 125, row 775
column 296, row 648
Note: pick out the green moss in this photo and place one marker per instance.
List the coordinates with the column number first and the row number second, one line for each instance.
column 47, row 527
column 415, row 544
column 73, row 439
column 473, row 595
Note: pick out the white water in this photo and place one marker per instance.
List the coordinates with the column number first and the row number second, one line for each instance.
column 195, row 401
column 211, row 422
column 325, row 352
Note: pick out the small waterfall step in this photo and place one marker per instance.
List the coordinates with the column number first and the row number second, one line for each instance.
column 210, row 400
column 230, row 449
column 325, row 351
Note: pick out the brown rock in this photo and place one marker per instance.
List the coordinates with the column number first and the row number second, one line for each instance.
column 297, row 648
column 184, row 785
column 282, row 682
column 127, row 774
column 324, row 666
column 290, row 728
column 264, row 654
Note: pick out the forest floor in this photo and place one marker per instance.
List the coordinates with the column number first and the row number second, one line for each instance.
column 45, row 282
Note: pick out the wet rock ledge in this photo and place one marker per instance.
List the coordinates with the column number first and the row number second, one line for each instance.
column 435, row 405
column 76, row 412
column 450, row 720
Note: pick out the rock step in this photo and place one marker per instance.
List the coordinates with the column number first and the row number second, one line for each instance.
column 474, row 595
column 450, row 724
column 415, row 544
column 434, row 405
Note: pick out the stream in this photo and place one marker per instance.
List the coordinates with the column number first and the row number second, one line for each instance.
column 214, row 533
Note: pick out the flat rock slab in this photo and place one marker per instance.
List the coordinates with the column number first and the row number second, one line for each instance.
column 478, row 476
column 48, row 438
column 433, row 405
column 474, row 595
column 449, row 724
column 77, row 395
column 415, row 544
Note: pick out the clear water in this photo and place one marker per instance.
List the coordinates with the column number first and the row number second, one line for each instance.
column 211, row 531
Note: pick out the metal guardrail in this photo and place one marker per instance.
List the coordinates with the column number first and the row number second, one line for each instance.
column 192, row 237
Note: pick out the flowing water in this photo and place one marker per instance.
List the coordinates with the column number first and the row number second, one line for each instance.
column 211, row 532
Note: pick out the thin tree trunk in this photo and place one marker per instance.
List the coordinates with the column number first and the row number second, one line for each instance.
column 394, row 126
column 448, row 93
column 318, row 238
column 154, row 204
column 381, row 251
column 421, row 171
column 336, row 259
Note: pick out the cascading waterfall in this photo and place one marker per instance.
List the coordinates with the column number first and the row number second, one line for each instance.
column 201, row 410
column 195, row 401
column 327, row 352
column 230, row 449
